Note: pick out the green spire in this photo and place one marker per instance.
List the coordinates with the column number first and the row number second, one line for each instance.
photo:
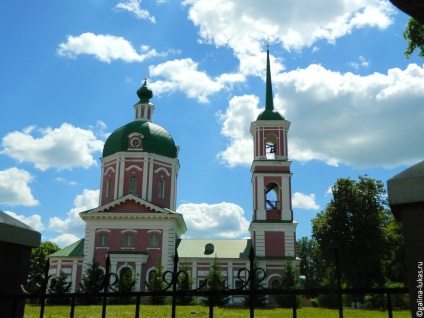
column 269, row 100
column 144, row 93
column 269, row 113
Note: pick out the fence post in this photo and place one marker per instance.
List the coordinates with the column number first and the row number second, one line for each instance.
column 339, row 283
column 252, row 285
column 174, row 284
column 106, row 286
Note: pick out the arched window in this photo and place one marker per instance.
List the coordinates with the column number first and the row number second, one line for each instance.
column 128, row 240
column 103, row 239
column 161, row 189
column 275, row 283
column 154, row 240
column 272, row 201
column 271, row 146
column 133, row 185
column 108, row 188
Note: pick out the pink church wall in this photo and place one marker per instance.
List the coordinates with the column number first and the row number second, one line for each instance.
column 274, row 244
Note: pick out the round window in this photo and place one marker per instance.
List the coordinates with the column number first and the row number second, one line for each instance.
column 135, row 142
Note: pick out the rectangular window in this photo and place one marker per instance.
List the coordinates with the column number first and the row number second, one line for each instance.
column 161, row 189
column 154, row 240
column 128, row 240
column 108, row 188
column 103, row 240
column 133, row 185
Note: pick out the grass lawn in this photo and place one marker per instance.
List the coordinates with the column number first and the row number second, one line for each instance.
column 147, row 311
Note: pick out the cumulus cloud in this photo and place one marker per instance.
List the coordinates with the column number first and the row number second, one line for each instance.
column 361, row 121
column 183, row 75
column 14, row 188
column 33, row 221
column 89, row 199
column 134, row 7
column 65, row 240
column 296, row 24
column 304, row 201
column 65, row 147
column 222, row 220
column 242, row 110
column 105, row 48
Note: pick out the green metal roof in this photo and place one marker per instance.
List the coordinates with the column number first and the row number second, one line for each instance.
column 221, row 248
column 156, row 139
column 76, row 249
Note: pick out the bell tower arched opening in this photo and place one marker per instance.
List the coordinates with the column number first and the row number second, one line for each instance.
column 271, row 146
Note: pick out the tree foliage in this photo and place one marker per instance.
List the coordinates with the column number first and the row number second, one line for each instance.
column 310, row 262
column 156, row 283
column 350, row 231
column 259, row 300
column 414, row 34
column 39, row 257
column 91, row 282
column 288, row 281
column 216, row 282
column 60, row 286
column 185, row 282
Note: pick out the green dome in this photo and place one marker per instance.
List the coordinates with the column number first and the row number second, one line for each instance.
column 270, row 115
column 156, row 139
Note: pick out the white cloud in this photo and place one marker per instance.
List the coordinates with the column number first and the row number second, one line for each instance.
column 361, row 121
column 242, row 110
column 14, row 189
column 133, row 6
column 222, row 220
column 304, row 201
column 89, row 199
column 61, row 148
column 183, row 75
column 105, row 48
column 65, row 240
column 33, row 221
column 243, row 25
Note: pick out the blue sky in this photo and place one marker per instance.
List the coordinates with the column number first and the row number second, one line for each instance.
column 70, row 71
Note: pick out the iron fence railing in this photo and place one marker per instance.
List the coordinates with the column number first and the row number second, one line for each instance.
column 173, row 281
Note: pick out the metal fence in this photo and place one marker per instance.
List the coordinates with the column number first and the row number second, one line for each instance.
column 173, row 282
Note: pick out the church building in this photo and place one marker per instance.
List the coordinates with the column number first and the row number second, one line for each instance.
column 136, row 222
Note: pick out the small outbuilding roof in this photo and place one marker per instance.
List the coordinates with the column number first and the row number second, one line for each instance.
column 76, row 249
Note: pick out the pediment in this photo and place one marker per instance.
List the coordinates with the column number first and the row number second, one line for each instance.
column 128, row 204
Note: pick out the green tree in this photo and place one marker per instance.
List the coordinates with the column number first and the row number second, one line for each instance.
column 310, row 262
column 39, row 257
column 395, row 265
column 185, row 281
column 288, row 281
column 125, row 283
column 350, row 231
column 156, row 283
column 414, row 34
column 60, row 286
column 91, row 282
column 259, row 300
column 215, row 283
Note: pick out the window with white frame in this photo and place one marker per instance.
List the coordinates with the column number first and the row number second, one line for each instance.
column 108, row 188
column 103, row 239
column 154, row 240
column 133, row 185
column 128, row 240
column 161, row 189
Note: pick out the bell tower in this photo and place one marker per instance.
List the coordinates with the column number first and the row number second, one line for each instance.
column 272, row 227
